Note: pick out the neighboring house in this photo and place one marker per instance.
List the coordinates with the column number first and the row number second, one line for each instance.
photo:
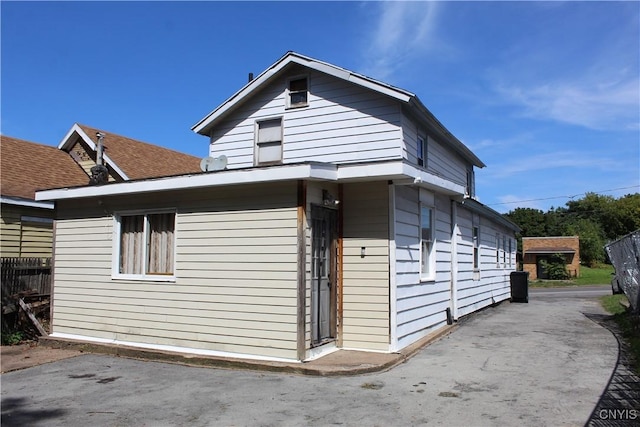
column 342, row 215
column 537, row 249
column 26, row 226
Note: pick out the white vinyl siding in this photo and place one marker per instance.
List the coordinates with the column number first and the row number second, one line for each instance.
column 342, row 123
column 235, row 288
column 439, row 159
column 420, row 306
column 366, row 278
column 491, row 284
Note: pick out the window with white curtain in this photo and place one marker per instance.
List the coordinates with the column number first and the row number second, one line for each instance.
column 146, row 244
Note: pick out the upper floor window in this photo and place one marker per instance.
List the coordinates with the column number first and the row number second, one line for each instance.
column 146, row 245
column 268, row 141
column 427, row 243
column 471, row 191
column 298, row 92
column 421, row 151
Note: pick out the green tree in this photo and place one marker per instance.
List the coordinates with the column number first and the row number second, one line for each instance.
column 592, row 240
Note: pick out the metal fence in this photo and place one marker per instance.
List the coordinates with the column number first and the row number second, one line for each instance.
column 624, row 254
column 25, row 274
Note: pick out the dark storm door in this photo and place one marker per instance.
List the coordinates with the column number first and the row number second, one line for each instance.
column 323, row 274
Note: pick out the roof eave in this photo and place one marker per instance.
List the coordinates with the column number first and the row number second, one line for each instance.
column 396, row 170
column 204, row 125
column 456, row 144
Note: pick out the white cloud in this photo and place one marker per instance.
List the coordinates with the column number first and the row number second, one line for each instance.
column 611, row 104
column 561, row 160
column 403, row 30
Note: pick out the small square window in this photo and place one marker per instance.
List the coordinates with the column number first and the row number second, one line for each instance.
column 298, row 93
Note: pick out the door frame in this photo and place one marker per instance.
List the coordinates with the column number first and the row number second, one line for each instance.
column 331, row 216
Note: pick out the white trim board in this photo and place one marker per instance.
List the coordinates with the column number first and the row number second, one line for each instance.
column 376, row 171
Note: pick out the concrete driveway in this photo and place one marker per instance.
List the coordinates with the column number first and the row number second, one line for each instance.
column 536, row 364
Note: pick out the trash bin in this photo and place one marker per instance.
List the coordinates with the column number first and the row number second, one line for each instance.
column 519, row 286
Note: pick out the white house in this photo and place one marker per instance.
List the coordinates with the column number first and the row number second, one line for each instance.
column 340, row 214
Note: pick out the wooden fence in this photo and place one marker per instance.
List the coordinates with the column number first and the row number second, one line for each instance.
column 24, row 274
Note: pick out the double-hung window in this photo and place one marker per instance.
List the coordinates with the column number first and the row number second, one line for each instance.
column 427, row 243
column 421, row 154
column 269, row 141
column 298, row 92
column 146, row 245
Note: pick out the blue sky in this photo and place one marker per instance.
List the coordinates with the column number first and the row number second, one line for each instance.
column 547, row 94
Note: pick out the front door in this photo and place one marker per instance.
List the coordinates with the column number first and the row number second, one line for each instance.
column 324, row 269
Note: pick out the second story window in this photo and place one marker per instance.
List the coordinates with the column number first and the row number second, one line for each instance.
column 268, row 148
column 421, row 151
column 471, row 191
column 297, row 92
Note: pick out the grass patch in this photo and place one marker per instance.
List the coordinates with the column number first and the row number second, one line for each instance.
column 588, row 276
column 628, row 323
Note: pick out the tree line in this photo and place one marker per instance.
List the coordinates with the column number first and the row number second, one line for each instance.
column 595, row 218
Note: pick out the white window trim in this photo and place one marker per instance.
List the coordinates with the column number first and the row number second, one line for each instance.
column 476, row 247
column 421, row 150
column 115, row 261
column 256, row 132
column 288, row 92
column 431, row 276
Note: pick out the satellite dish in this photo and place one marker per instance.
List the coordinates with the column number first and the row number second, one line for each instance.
column 206, row 164
column 209, row 164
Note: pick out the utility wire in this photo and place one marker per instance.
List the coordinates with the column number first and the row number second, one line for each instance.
column 565, row 197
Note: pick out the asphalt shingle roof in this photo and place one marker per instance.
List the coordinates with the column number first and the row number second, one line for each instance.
column 139, row 160
column 26, row 167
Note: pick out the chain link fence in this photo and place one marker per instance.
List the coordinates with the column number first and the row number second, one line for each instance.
column 624, row 254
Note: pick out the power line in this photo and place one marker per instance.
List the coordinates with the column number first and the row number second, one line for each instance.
column 564, row 197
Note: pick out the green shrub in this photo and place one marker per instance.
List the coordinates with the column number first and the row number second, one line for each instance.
column 12, row 338
column 556, row 267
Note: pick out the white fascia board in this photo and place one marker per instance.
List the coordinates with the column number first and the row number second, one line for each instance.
column 27, row 203
column 308, row 62
column 184, row 182
column 399, row 171
column 382, row 88
column 66, row 143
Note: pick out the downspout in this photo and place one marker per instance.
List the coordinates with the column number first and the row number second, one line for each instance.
column 454, row 259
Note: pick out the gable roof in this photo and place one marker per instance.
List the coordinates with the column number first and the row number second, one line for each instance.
column 130, row 158
column 28, row 166
column 406, row 98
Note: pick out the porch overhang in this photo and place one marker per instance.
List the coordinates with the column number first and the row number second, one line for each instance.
column 550, row 251
column 397, row 171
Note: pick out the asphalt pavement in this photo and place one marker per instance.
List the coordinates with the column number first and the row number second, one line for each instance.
column 542, row 363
